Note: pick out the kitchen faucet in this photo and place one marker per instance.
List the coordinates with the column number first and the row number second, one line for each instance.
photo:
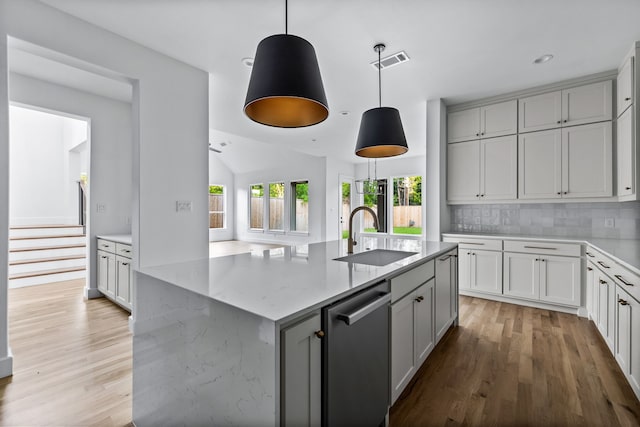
column 351, row 242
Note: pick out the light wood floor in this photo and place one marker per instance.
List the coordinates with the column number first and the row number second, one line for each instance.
column 508, row 365
column 504, row 365
column 72, row 359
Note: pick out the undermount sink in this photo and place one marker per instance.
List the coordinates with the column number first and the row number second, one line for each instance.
column 378, row 257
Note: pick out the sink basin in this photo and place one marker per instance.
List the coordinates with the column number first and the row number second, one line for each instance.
column 378, row 257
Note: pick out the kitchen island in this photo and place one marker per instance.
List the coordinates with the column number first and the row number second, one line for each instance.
column 206, row 333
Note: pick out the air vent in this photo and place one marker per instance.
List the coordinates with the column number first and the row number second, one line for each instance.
column 391, row 60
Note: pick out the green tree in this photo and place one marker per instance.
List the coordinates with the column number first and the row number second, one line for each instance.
column 276, row 190
column 302, row 191
column 216, row 189
column 346, row 192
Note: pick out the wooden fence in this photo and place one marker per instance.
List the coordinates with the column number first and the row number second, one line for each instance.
column 403, row 216
column 216, row 203
column 277, row 214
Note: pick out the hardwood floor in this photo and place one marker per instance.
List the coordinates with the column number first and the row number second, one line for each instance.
column 505, row 365
column 508, row 365
column 72, row 359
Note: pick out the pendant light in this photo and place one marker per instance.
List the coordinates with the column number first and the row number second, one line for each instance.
column 381, row 133
column 285, row 89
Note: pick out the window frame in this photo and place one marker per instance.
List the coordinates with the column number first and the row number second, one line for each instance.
column 267, row 202
column 292, row 207
column 252, row 229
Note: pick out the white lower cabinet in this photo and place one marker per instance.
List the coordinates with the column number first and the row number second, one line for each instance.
column 606, row 307
column 301, row 366
column 412, row 335
column 627, row 349
column 107, row 273
column 480, row 270
column 446, row 293
column 114, row 272
column 590, row 300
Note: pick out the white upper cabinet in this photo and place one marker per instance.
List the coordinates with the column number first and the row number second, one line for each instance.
column 540, row 112
column 587, row 104
column 483, row 122
column 587, row 161
column 499, row 119
column 463, row 125
column 540, row 165
column 625, row 86
column 626, row 166
column 569, row 107
column 463, row 171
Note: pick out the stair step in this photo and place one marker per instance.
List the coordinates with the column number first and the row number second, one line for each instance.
column 38, row 260
column 42, row 248
column 44, row 230
column 46, row 272
column 57, row 236
column 28, row 227
column 50, row 278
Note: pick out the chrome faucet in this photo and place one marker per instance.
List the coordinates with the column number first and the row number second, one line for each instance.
column 351, row 242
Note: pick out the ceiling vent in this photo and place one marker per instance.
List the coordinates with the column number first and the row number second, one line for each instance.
column 391, row 60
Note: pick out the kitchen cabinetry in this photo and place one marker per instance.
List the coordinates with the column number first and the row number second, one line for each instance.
column 590, row 300
column 482, row 169
column 480, row 265
column 569, row 107
column 626, row 164
column 625, row 85
column 531, row 272
column 606, row 306
column 412, row 325
column 115, row 275
column 483, row 122
column 627, row 326
column 300, row 366
column 446, row 290
column 574, row 162
column 626, row 137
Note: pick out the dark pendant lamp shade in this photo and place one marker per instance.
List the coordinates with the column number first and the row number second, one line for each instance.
column 285, row 89
column 381, row 134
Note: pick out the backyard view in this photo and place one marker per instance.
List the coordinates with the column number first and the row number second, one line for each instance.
column 299, row 207
column 406, row 213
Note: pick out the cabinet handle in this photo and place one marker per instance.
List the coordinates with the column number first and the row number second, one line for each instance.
column 559, row 193
column 446, row 257
column 589, row 269
column 477, row 195
column 471, row 243
column 619, row 277
column 473, row 253
column 603, row 264
column 564, row 121
column 125, row 263
column 482, row 195
column 126, row 250
column 603, row 282
column 566, row 192
column 478, row 134
column 418, row 299
column 319, row 334
column 628, row 99
column 541, row 247
column 481, row 133
column 468, row 253
column 537, row 259
column 589, row 254
column 559, row 121
column 622, row 302
column 627, row 188
column 103, row 256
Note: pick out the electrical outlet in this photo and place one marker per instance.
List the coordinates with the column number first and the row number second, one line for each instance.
column 609, row 223
column 101, row 207
column 183, row 206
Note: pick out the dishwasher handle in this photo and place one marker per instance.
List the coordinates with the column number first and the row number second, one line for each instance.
column 358, row 314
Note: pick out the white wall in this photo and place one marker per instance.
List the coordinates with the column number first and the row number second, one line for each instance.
column 290, row 166
column 220, row 174
column 111, row 145
column 43, row 169
column 435, row 187
column 170, row 108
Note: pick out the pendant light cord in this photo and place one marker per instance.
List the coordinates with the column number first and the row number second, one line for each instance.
column 379, row 80
column 286, row 17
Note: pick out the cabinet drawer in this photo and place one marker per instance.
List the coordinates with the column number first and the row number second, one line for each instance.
column 123, row 250
column 475, row 243
column 106, row 245
column 407, row 282
column 546, row 248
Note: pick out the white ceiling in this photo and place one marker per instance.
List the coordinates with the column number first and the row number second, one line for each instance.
column 460, row 50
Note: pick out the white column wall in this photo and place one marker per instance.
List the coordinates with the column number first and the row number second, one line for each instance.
column 435, row 187
column 170, row 134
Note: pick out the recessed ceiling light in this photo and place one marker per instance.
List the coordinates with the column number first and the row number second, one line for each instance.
column 313, row 140
column 344, row 113
column 248, row 62
column 542, row 59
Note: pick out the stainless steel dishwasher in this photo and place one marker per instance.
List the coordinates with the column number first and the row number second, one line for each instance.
column 355, row 362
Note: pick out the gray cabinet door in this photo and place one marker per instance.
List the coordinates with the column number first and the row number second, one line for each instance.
column 301, row 376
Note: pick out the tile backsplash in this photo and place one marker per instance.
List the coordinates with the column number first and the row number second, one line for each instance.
column 609, row 220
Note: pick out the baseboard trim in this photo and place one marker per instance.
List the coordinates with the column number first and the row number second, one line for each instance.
column 6, row 366
column 92, row 293
column 578, row 311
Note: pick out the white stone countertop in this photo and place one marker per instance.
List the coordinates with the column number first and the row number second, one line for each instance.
column 280, row 284
column 118, row 238
column 625, row 251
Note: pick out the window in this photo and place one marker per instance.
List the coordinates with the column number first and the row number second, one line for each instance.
column 216, row 206
column 276, row 206
column 377, row 202
column 407, row 205
column 256, row 207
column 300, row 206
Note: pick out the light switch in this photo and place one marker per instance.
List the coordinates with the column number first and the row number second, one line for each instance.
column 183, row 206
column 101, row 207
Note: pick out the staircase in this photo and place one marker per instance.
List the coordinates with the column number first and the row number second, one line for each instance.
column 41, row 254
